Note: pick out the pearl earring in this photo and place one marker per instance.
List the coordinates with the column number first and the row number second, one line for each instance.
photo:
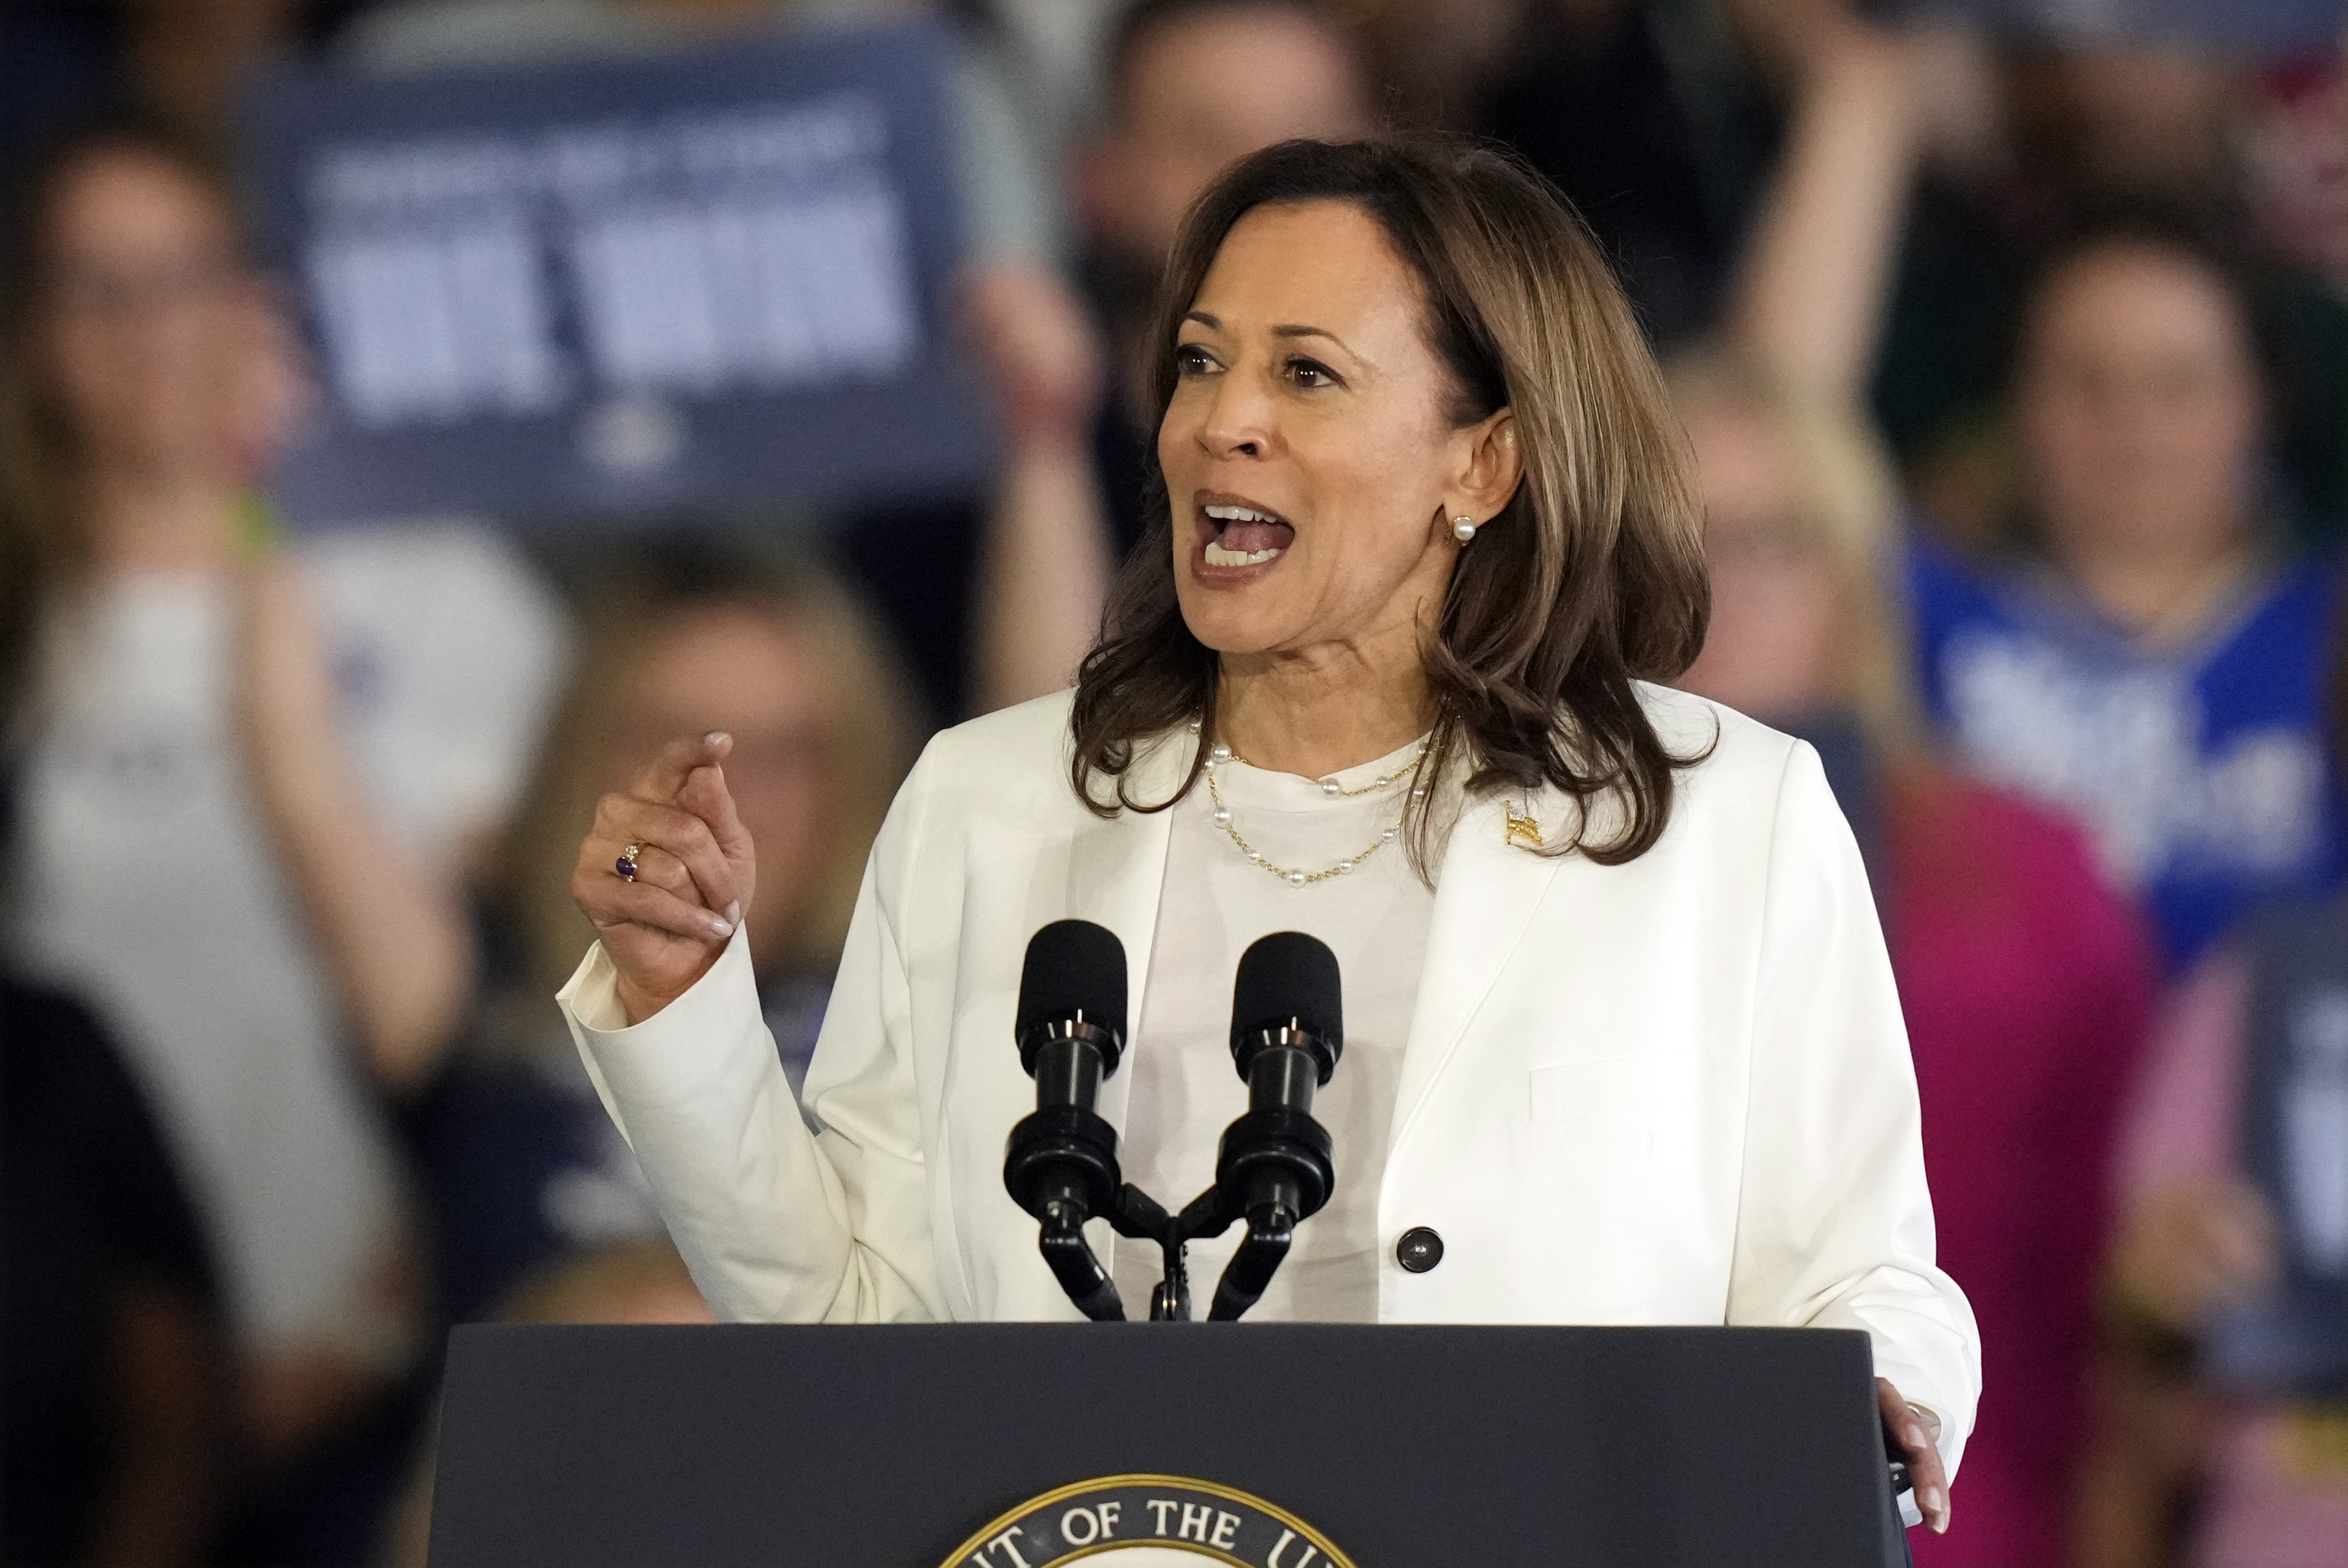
column 1463, row 529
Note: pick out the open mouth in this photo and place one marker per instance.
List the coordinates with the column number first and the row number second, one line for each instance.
column 1244, row 535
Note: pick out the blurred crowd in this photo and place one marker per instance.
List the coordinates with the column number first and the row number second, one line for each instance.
column 2014, row 365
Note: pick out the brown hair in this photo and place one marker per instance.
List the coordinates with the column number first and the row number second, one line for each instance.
column 647, row 592
column 1591, row 578
column 45, row 552
column 2173, row 233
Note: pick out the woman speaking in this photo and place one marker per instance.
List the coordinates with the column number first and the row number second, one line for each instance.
column 1623, row 1042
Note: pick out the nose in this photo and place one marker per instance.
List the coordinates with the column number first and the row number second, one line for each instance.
column 1237, row 419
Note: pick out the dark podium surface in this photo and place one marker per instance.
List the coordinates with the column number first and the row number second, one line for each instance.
column 1408, row 1447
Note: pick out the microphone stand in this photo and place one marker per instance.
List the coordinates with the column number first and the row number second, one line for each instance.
column 1142, row 1217
column 1272, row 1170
column 1270, row 1230
column 1060, row 1163
column 1274, row 1167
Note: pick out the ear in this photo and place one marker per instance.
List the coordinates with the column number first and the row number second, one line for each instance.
column 1489, row 465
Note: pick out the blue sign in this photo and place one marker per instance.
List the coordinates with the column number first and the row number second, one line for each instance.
column 2245, row 25
column 606, row 288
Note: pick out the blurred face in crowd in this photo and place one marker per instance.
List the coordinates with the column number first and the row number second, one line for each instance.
column 1772, row 647
column 1307, row 452
column 744, row 671
column 1197, row 94
column 152, row 334
column 2139, row 406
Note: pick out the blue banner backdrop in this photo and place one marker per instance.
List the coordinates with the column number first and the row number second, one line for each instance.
column 609, row 289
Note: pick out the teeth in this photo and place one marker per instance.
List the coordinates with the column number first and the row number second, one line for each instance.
column 1240, row 514
column 1217, row 556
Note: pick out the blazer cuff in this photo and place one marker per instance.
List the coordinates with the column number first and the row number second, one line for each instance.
column 675, row 1052
column 591, row 997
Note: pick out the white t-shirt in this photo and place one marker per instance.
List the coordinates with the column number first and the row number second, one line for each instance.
column 1185, row 1087
column 144, row 879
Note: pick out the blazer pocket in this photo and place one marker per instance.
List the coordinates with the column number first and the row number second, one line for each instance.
column 1585, row 1091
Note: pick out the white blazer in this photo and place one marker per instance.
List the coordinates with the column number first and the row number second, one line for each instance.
column 1676, row 1090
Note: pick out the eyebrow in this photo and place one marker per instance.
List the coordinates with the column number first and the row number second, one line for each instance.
column 1291, row 330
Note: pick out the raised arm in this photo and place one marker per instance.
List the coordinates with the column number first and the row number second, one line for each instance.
column 1814, row 284
column 778, row 1224
column 1044, row 564
column 393, row 938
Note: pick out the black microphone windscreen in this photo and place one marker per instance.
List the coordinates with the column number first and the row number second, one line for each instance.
column 1073, row 966
column 1289, row 975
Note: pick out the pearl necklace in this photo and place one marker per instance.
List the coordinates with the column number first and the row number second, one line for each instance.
column 1333, row 791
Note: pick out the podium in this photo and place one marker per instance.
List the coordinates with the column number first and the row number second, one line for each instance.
column 1171, row 1445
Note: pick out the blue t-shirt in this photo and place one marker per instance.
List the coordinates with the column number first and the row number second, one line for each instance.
column 2204, row 772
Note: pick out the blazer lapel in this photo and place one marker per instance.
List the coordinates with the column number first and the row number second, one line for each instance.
column 1117, row 868
column 1489, row 886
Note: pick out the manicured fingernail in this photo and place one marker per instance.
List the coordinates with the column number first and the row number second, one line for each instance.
column 734, row 913
column 1914, row 1435
column 1929, row 1500
column 716, row 737
column 720, row 927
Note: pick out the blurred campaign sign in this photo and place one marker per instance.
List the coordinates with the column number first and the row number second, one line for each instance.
column 613, row 287
column 2248, row 25
column 2293, row 1337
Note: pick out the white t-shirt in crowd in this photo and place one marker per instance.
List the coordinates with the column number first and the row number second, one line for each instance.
column 1186, row 1089
column 144, row 879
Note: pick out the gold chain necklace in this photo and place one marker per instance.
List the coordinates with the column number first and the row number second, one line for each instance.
column 1333, row 790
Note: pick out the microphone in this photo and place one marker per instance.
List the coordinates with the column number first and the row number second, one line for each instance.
column 1274, row 1166
column 1060, row 1163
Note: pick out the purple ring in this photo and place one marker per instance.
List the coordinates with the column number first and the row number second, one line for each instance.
column 626, row 868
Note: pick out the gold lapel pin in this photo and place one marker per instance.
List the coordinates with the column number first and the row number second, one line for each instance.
column 1524, row 829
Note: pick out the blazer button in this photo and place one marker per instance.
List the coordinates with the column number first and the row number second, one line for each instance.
column 1419, row 1249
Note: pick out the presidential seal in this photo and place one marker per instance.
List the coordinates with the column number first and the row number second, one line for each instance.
column 1148, row 1521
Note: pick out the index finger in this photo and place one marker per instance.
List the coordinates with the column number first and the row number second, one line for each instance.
column 667, row 773
column 704, row 795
